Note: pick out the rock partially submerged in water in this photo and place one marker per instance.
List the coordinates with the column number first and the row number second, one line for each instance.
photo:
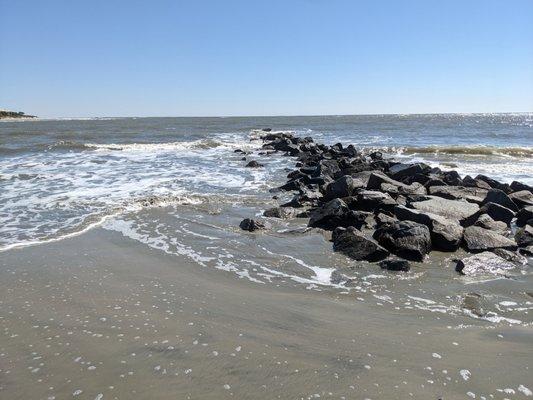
column 251, row 225
column 407, row 239
column 446, row 234
column 280, row 212
column 395, row 264
column 483, row 263
column 254, row 164
column 524, row 215
column 524, row 236
column 353, row 244
column 336, row 213
column 477, row 239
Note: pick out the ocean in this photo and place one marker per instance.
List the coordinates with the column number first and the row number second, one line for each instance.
column 120, row 229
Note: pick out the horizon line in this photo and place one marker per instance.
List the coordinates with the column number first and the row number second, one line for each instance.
column 277, row 115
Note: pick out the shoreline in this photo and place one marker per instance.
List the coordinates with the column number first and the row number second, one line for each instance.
column 187, row 331
column 172, row 299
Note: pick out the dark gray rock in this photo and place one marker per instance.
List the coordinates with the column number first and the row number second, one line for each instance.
column 446, row 233
column 395, row 265
column 336, row 213
column 286, row 145
column 280, row 212
column 497, row 196
column 342, row 187
column 372, row 200
column 434, row 182
column 493, row 183
column 412, row 189
column 471, row 182
column 498, row 212
column 471, row 194
column 251, row 225
column 512, row 256
column 524, row 236
column 485, row 221
column 523, row 198
column 519, row 186
column 400, row 171
column 376, row 180
column 327, row 168
column 454, row 209
column 382, row 218
column 407, row 239
column 254, row 164
column 483, row 263
column 480, row 239
column 451, row 178
column 524, row 215
column 353, row 244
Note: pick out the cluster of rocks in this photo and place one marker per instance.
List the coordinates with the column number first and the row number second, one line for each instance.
column 381, row 210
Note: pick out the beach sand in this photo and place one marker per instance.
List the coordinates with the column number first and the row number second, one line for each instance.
column 100, row 316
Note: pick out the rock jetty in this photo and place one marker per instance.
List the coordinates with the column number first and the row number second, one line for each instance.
column 384, row 211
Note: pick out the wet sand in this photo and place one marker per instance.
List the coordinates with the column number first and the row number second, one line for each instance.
column 100, row 316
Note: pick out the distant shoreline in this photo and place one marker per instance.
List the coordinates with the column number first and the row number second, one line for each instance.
column 4, row 114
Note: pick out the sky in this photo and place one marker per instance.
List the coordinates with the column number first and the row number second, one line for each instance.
column 291, row 57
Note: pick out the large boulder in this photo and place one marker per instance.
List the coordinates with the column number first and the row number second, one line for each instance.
column 407, row 239
column 478, row 239
column 376, row 180
column 483, row 263
column 453, row 209
column 496, row 211
column 471, row 182
column 285, row 144
column 523, row 198
column 485, row 221
column 472, row 194
column 326, row 168
column 451, row 178
column 512, row 256
column 342, row 187
column 372, row 200
column 524, row 215
column 524, row 236
column 497, row 196
column 353, row 244
column 401, row 170
column 336, row 213
column 414, row 188
column 493, row 183
column 446, row 234
column 519, row 186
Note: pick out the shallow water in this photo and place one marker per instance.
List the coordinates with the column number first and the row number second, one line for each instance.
column 97, row 200
column 114, row 318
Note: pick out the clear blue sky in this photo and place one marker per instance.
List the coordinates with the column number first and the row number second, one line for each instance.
column 290, row 57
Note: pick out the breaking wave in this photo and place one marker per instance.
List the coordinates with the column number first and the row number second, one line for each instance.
column 519, row 152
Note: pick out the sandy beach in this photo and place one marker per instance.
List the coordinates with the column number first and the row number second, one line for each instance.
column 114, row 319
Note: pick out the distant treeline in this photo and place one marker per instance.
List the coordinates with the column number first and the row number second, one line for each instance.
column 14, row 114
